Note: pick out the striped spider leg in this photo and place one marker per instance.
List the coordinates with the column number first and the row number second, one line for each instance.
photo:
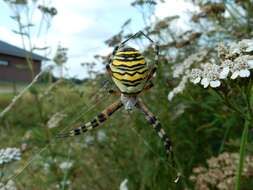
column 98, row 120
column 153, row 70
column 132, row 76
column 151, row 118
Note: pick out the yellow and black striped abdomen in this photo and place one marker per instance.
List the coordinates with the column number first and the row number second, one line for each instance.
column 129, row 70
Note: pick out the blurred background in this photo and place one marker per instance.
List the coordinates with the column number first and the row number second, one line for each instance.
column 52, row 78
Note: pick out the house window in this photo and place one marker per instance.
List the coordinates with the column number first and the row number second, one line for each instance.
column 21, row 66
column 4, row 63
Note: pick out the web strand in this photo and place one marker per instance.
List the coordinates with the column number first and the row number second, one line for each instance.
column 166, row 163
column 17, row 97
column 43, row 149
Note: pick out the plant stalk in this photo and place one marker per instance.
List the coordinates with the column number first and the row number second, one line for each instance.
column 242, row 153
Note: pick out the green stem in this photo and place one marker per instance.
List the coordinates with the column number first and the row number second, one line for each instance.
column 248, row 96
column 225, row 138
column 224, row 97
column 242, row 153
column 28, row 57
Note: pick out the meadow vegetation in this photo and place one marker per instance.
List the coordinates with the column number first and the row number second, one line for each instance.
column 207, row 114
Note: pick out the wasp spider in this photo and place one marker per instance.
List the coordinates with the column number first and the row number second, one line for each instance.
column 131, row 75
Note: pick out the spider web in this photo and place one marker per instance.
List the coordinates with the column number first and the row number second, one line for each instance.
column 162, row 159
column 166, row 163
column 82, row 112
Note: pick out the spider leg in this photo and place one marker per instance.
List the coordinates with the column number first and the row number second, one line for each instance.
column 153, row 70
column 150, row 117
column 151, row 73
column 98, row 120
column 114, row 92
column 148, row 86
column 111, row 91
column 108, row 69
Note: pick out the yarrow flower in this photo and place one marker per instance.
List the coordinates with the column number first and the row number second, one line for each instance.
column 183, row 69
column 65, row 183
column 246, row 45
column 123, row 185
column 101, row 136
column 227, row 65
column 66, row 165
column 242, row 65
column 221, row 171
column 195, row 76
column 179, row 88
column 89, row 139
column 234, row 60
column 233, row 63
column 210, row 75
column 9, row 154
column 180, row 69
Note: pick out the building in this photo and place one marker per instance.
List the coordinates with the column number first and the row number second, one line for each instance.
column 13, row 64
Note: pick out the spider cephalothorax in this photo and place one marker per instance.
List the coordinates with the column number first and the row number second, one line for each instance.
column 131, row 75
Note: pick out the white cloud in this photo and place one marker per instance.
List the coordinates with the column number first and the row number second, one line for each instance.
column 176, row 7
column 84, row 25
column 8, row 36
column 67, row 22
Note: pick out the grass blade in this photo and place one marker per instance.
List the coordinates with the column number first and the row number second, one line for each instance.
column 242, row 154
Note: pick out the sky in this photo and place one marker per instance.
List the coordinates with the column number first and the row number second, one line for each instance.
column 83, row 25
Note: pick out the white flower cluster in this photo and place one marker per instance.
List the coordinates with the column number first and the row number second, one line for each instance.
column 183, row 70
column 9, row 154
column 101, row 136
column 180, row 69
column 123, row 185
column 66, row 165
column 180, row 88
column 235, row 59
column 208, row 75
column 64, row 183
column 9, row 186
column 90, row 139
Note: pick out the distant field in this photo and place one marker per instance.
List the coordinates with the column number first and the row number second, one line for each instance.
column 9, row 87
column 8, row 90
column 5, row 99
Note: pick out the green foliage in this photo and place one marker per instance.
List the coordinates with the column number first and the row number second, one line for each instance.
column 199, row 121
